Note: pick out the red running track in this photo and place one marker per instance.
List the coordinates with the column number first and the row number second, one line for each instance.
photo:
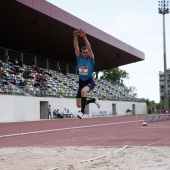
column 105, row 131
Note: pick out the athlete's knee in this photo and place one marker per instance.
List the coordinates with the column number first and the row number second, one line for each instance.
column 84, row 92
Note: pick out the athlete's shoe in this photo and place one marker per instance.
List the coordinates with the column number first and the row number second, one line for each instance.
column 80, row 115
column 97, row 102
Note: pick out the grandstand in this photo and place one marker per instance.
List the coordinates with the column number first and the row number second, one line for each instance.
column 49, row 83
column 26, row 90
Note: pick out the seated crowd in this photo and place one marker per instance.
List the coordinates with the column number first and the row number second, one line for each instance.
column 17, row 78
column 64, row 114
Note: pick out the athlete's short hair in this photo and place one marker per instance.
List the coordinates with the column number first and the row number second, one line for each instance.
column 83, row 48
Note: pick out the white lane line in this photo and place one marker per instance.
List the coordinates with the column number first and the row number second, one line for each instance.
column 163, row 127
column 54, row 168
column 102, row 156
column 160, row 123
column 156, row 142
column 71, row 128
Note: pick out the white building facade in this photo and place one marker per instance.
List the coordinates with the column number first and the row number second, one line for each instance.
column 28, row 108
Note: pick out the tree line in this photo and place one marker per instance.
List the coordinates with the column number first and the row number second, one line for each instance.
column 118, row 76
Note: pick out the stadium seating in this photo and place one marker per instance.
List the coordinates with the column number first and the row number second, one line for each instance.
column 24, row 80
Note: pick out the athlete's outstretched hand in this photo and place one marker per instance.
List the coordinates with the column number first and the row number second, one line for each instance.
column 76, row 32
column 82, row 33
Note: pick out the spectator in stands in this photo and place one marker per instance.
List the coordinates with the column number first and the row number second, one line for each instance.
column 43, row 87
column 6, row 59
column 12, row 80
column 1, row 64
column 37, row 84
column 48, row 73
column 26, row 74
column 59, row 70
column 36, row 68
column 17, row 69
column 49, row 112
column 22, row 83
column 1, row 69
column 15, row 61
column 17, row 81
column 85, row 67
column 11, row 70
column 4, row 74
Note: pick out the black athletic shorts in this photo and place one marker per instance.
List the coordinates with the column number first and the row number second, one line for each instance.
column 89, row 83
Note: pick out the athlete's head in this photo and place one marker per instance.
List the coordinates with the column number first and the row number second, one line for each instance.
column 84, row 51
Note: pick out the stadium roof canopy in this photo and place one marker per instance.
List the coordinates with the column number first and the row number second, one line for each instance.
column 42, row 29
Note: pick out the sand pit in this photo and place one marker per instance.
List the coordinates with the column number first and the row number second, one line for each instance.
column 85, row 158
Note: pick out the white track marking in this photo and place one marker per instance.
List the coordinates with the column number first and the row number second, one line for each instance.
column 71, row 128
column 156, row 142
column 102, row 156
column 158, row 125
column 97, row 157
column 54, row 168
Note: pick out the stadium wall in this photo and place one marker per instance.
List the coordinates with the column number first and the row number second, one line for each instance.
column 21, row 108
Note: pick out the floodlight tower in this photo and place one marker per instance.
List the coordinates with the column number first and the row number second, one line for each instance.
column 163, row 8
